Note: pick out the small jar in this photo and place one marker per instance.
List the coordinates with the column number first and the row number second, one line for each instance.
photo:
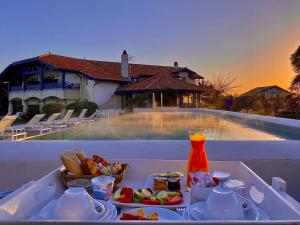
column 173, row 183
column 160, row 183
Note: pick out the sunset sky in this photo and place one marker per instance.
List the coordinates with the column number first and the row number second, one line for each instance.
column 249, row 39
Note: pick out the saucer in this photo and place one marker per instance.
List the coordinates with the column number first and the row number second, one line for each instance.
column 105, row 211
column 250, row 213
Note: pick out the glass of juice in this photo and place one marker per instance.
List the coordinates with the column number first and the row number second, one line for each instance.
column 197, row 160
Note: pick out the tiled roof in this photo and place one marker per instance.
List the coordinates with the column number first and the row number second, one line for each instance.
column 109, row 70
column 260, row 90
column 81, row 65
column 160, row 82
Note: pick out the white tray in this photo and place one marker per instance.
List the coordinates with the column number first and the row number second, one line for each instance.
column 21, row 204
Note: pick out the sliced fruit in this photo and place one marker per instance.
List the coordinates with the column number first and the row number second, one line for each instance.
column 148, row 201
column 145, row 193
column 125, row 199
column 162, row 195
column 128, row 192
column 174, row 200
column 137, row 194
column 153, row 198
column 136, row 200
column 117, row 194
column 150, row 190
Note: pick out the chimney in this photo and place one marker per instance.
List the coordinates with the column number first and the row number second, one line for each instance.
column 176, row 64
column 124, row 64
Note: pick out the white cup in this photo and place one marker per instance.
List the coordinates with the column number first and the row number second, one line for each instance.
column 199, row 193
column 221, row 204
column 75, row 204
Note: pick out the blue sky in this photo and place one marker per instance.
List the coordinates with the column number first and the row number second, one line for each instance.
column 249, row 39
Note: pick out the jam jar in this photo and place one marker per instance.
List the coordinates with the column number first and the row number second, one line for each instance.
column 173, row 183
column 160, row 183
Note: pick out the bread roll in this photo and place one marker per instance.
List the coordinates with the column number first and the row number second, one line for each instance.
column 71, row 162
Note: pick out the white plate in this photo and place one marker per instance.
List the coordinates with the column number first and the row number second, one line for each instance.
column 186, row 201
column 111, row 209
column 163, row 214
column 249, row 214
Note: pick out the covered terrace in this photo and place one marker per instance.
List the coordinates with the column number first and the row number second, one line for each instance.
column 163, row 90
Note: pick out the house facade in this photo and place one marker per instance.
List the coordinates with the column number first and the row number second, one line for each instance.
column 51, row 78
column 267, row 92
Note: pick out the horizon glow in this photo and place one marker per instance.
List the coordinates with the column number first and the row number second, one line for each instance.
column 252, row 40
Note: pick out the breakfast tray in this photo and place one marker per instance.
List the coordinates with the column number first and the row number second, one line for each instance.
column 67, row 176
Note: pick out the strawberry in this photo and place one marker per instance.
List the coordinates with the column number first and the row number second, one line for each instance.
column 128, row 192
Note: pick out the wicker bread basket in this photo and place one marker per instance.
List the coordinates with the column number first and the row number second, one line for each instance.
column 67, row 177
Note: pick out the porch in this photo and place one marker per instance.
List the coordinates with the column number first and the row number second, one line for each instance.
column 160, row 91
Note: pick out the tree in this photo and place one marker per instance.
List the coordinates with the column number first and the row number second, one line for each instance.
column 295, row 61
column 223, row 84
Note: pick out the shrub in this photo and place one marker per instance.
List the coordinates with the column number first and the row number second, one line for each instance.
column 51, row 108
column 291, row 107
column 79, row 106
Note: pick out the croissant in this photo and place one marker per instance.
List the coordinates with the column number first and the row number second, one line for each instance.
column 81, row 155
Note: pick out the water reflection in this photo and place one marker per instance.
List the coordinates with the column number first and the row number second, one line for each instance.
column 171, row 125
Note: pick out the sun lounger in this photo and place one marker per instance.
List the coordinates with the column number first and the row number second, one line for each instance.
column 5, row 125
column 30, row 125
column 46, row 125
column 64, row 121
column 79, row 118
column 91, row 118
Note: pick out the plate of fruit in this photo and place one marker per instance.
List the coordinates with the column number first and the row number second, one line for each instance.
column 143, row 197
column 149, row 214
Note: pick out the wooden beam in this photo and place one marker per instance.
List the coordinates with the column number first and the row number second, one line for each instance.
column 63, row 79
column 41, row 77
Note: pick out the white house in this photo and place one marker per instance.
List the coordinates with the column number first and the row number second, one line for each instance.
column 53, row 78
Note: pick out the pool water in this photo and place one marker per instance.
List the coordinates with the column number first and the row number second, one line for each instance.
column 174, row 126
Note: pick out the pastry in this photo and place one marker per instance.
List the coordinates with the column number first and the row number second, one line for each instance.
column 91, row 167
column 81, row 155
column 71, row 162
column 99, row 159
column 118, row 167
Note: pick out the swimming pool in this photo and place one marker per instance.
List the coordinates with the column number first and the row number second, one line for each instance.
column 174, row 126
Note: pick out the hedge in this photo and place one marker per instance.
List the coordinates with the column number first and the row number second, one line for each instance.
column 51, row 108
column 79, row 106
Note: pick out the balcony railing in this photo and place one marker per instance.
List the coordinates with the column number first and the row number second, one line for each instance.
column 16, row 88
column 33, row 87
column 46, row 86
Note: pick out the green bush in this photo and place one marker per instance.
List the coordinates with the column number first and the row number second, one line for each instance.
column 51, row 108
column 79, row 106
